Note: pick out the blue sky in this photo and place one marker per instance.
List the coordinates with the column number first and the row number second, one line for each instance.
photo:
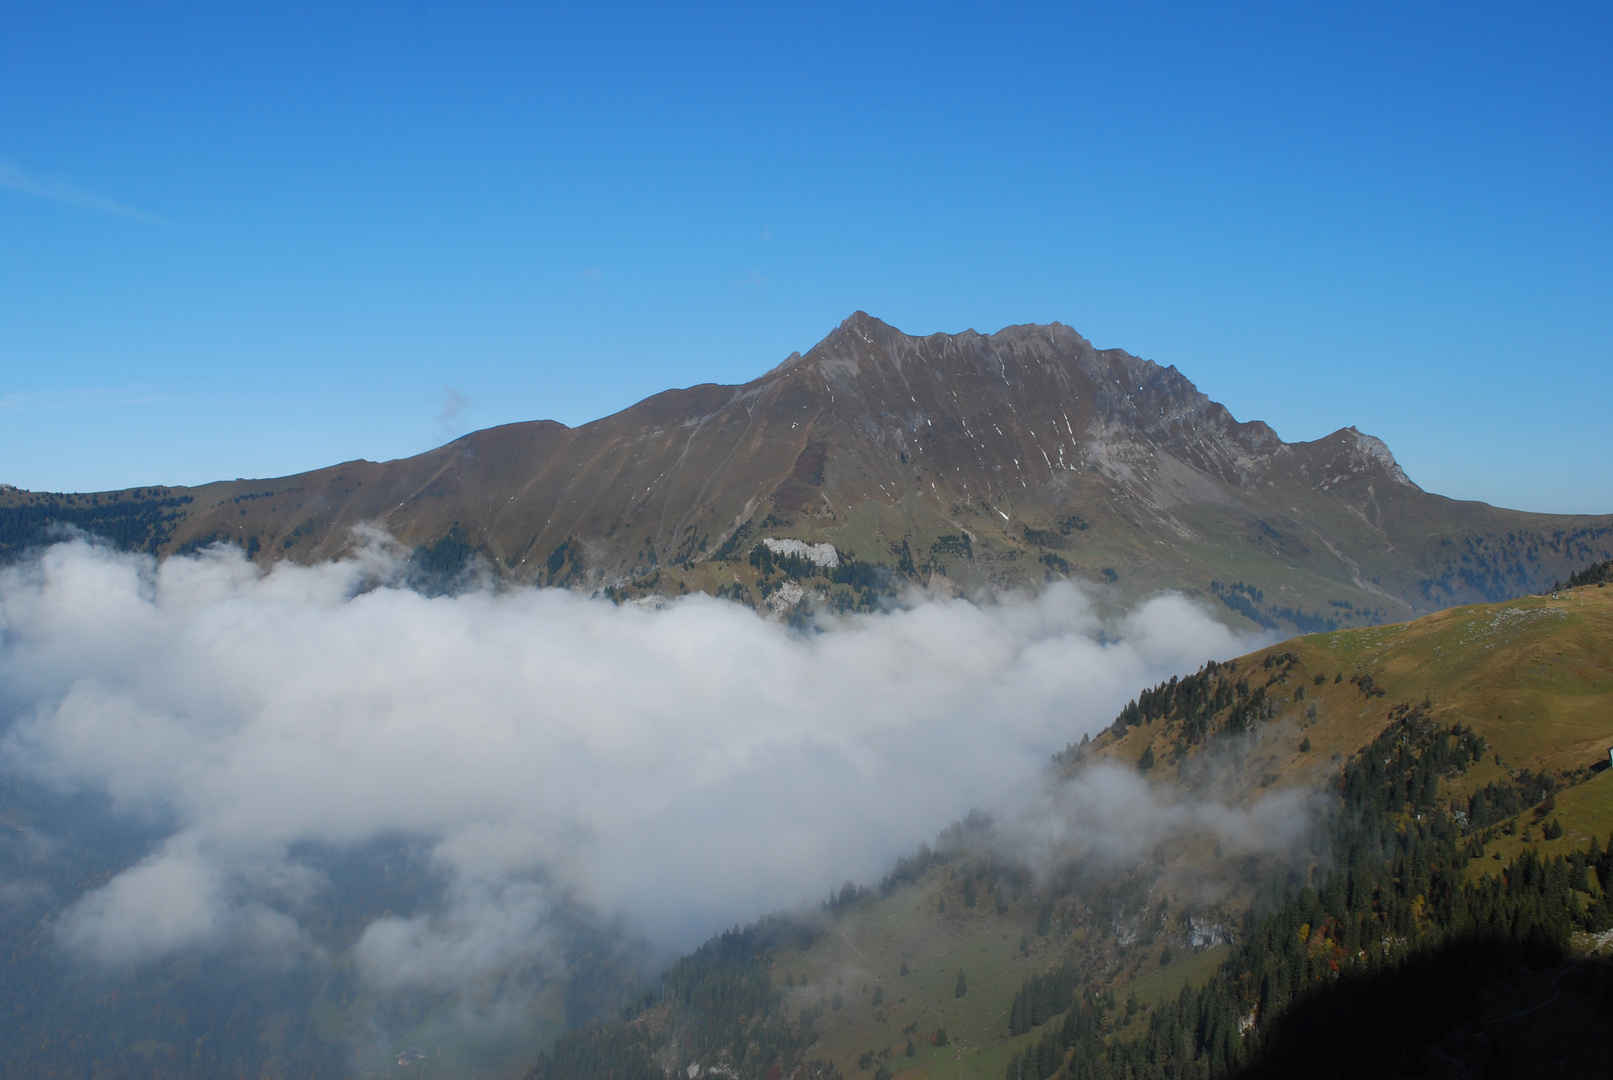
column 251, row 240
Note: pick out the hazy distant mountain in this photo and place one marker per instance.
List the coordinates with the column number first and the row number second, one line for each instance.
column 956, row 460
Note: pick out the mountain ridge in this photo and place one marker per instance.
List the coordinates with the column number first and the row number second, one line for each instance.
column 1036, row 453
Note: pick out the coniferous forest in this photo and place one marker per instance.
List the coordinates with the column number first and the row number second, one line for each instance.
column 1390, row 935
column 1394, row 941
column 1399, row 924
column 138, row 520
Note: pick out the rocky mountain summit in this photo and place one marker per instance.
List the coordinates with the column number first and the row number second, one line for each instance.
column 951, row 460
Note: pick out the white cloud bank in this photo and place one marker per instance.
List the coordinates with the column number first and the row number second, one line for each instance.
column 683, row 769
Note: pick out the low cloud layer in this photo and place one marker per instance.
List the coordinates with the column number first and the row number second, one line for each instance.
column 680, row 769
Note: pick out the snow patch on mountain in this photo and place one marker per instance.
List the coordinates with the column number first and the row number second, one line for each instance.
column 816, row 554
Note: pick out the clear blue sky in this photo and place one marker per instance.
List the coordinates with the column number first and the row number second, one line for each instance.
column 250, row 240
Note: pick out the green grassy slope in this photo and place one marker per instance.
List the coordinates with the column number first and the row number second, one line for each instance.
column 1533, row 676
column 1533, row 679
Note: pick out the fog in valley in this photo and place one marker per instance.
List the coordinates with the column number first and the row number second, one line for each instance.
column 546, row 760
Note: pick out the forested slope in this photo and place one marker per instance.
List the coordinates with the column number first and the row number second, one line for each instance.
column 1452, row 903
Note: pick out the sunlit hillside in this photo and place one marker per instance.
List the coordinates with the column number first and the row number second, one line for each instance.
column 1478, row 740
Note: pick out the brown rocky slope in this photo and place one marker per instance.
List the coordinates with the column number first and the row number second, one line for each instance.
column 959, row 460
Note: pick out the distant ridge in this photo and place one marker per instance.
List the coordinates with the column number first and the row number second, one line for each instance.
column 952, row 460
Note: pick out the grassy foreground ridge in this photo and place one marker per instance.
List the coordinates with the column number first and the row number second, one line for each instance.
column 1451, row 903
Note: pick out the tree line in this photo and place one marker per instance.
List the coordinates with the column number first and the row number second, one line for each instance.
column 1394, row 940
column 132, row 521
column 716, row 1006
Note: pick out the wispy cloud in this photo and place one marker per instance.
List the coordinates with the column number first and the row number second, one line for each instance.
column 453, row 407
column 19, row 401
column 59, row 191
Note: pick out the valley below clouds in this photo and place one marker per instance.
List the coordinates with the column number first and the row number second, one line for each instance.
column 668, row 772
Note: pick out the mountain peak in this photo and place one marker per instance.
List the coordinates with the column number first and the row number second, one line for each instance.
column 1378, row 450
column 962, row 460
column 860, row 327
